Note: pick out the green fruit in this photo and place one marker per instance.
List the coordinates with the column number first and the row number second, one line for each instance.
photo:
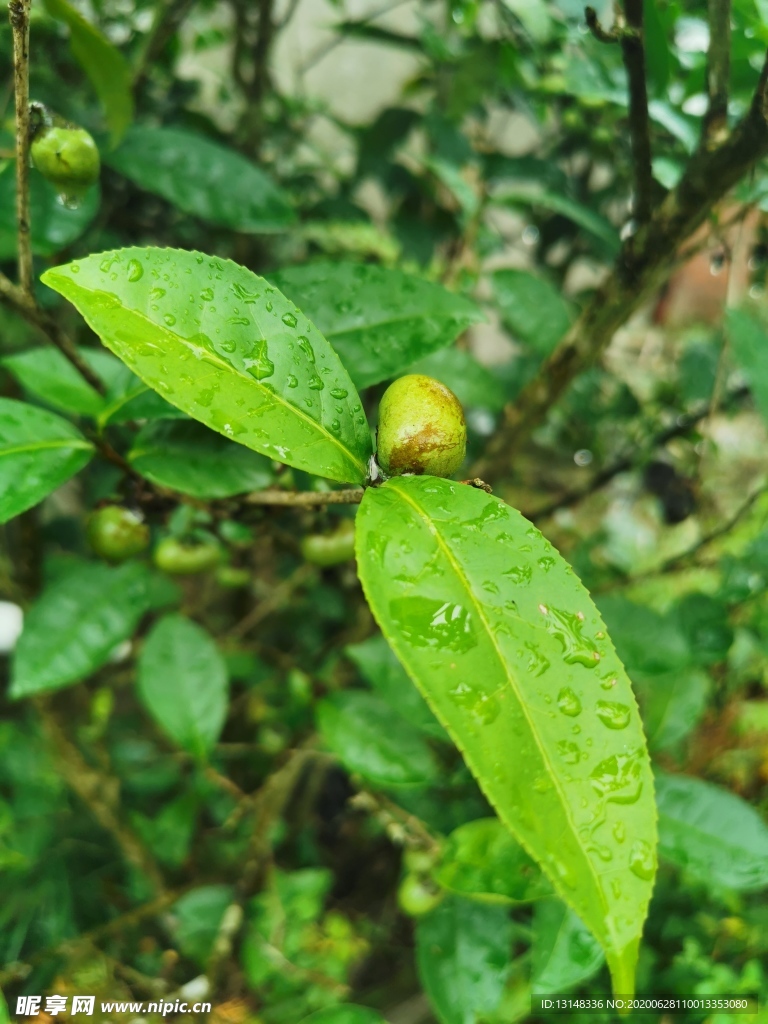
column 68, row 158
column 416, row 897
column 231, row 576
column 419, row 862
column 116, row 533
column 180, row 559
column 327, row 549
column 421, row 428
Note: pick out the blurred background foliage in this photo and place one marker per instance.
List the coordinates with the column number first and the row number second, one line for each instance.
column 481, row 145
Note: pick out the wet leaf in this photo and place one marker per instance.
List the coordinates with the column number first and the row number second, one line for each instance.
column 463, row 955
column 380, row 321
column 45, row 373
column 105, row 66
column 672, row 704
column 481, row 860
column 506, row 646
column 711, row 833
column 192, row 459
column 182, row 682
column 39, row 451
column 370, row 738
column 532, row 308
column 344, row 1014
column 565, row 953
column 76, row 624
column 202, row 178
column 227, row 348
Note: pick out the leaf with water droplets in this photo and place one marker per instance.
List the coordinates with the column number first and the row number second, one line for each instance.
column 526, row 682
column 379, row 320
column 39, row 451
column 228, row 349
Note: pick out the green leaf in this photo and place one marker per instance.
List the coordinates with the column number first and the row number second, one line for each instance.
column 533, row 309
column 586, row 218
column 657, row 56
column 473, row 385
column 482, row 861
column 463, row 953
column 197, row 919
column 182, row 682
column 194, row 460
column 346, row 1013
column 564, row 952
column 39, row 451
column 54, row 226
column 749, row 344
column 645, row 640
column 711, row 833
column 370, row 738
column 507, row 648
column 76, row 625
column 534, row 17
column 378, row 664
column 5, row 1019
column 380, row 321
column 48, row 375
column 128, row 398
column 107, row 69
column 672, row 704
column 228, row 349
column 202, row 178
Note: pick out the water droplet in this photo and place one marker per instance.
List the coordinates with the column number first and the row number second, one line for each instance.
column 520, row 574
column 568, row 702
column 567, row 628
column 207, row 294
column 425, row 622
column 315, row 383
column 75, row 268
column 537, row 663
column 260, row 365
column 546, row 563
column 614, row 716
column 289, row 319
column 306, row 348
column 228, row 346
column 135, row 270
column 338, row 393
column 106, row 264
column 542, row 784
column 293, row 382
column 242, row 320
column 641, row 860
column 617, row 778
column 335, row 426
column 608, row 682
column 169, row 319
column 619, row 832
column 569, row 752
column 156, row 294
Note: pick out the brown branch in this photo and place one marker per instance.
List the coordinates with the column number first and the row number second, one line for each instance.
column 633, row 52
column 18, row 12
column 641, row 267
column 602, row 35
column 718, row 71
column 306, row 499
column 278, row 597
column 98, row 793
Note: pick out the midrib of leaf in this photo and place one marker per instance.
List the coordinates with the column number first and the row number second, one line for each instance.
column 217, row 361
column 35, row 446
column 511, row 680
column 108, row 411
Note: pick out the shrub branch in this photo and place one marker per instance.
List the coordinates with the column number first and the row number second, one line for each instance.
column 718, row 71
column 18, row 13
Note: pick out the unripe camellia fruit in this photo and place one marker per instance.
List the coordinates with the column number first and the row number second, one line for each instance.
column 116, row 533
column 327, row 549
column 421, row 428
column 180, row 559
column 68, row 158
column 415, row 897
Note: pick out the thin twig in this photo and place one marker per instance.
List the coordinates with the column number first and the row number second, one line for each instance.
column 306, row 499
column 18, row 12
column 98, row 793
column 276, row 600
column 633, row 51
column 603, row 35
column 718, row 71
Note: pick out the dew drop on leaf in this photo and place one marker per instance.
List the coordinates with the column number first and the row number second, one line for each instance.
column 568, row 702
column 315, row 383
column 641, row 860
column 293, row 382
column 425, row 622
column 614, row 716
column 289, row 319
column 135, row 270
column 338, row 393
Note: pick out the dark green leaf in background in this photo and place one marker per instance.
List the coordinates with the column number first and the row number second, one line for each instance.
column 711, row 833
column 202, row 178
column 48, row 375
column 565, row 953
column 54, row 226
column 228, row 349
column 749, row 344
column 532, row 308
column 344, row 1014
column 463, row 954
column 196, row 919
column 77, row 623
column 380, row 321
column 182, row 682
column 39, row 451
column 507, row 648
column 481, row 860
column 672, row 704
column 586, row 218
column 370, row 738
column 192, row 459
column 105, row 66
column 379, row 665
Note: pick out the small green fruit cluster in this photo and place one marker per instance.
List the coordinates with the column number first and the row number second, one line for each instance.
column 116, row 533
column 421, row 428
column 418, row 894
column 68, row 158
column 182, row 559
column 328, row 549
